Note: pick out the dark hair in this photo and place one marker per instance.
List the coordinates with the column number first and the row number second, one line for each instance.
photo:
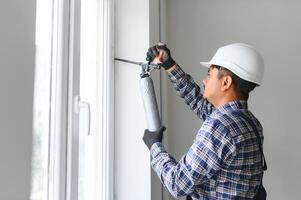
column 242, row 87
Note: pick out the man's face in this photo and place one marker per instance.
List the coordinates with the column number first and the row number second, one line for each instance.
column 212, row 85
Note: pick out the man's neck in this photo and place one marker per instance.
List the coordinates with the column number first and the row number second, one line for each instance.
column 226, row 99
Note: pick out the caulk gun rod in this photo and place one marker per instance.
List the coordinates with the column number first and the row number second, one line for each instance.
column 128, row 61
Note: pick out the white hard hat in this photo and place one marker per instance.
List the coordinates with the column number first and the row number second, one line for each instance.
column 242, row 59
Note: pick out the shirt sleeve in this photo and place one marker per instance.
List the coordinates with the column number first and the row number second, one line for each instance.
column 206, row 156
column 190, row 92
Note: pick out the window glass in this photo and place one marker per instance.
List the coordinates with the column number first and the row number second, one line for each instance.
column 41, row 100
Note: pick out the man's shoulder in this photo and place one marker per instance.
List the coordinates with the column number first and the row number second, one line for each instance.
column 234, row 121
column 222, row 118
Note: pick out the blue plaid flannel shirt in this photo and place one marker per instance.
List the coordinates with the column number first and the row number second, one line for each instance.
column 224, row 161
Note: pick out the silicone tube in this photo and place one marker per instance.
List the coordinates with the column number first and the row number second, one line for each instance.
column 150, row 103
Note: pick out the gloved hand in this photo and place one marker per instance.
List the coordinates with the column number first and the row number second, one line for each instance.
column 161, row 52
column 151, row 137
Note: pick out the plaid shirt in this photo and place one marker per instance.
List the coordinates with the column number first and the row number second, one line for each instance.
column 224, row 161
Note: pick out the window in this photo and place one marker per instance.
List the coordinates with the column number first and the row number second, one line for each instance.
column 73, row 120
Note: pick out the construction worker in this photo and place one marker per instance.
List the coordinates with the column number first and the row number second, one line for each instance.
column 225, row 160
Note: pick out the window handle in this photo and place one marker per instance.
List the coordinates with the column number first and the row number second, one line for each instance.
column 83, row 106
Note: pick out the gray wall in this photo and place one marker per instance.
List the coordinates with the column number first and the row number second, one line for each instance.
column 17, row 22
column 195, row 29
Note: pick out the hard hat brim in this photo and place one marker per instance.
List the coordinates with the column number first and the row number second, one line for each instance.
column 205, row 64
column 232, row 69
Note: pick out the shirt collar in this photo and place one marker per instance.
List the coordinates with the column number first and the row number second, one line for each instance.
column 233, row 105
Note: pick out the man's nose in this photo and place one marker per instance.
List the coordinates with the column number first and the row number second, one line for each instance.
column 204, row 81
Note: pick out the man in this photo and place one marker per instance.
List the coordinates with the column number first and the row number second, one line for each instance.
column 225, row 160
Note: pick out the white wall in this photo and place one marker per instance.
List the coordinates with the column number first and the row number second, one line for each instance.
column 17, row 22
column 195, row 29
column 136, row 27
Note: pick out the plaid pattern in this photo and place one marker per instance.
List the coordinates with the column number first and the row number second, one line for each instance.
column 224, row 161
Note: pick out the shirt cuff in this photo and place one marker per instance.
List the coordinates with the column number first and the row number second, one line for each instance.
column 176, row 74
column 156, row 149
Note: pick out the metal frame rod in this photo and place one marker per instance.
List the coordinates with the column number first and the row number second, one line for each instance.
column 129, row 61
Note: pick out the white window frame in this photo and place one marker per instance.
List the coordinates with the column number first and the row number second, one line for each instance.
column 109, row 88
column 63, row 162
column 59, row 101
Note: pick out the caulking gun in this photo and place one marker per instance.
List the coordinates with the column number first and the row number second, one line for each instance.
column 148, row 94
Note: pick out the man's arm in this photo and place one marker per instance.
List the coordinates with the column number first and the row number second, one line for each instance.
column 204, row 159
column 190, row 92
column 183, row 82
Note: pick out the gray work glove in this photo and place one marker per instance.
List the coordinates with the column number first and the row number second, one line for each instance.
column 151, row 137
column 166, row 59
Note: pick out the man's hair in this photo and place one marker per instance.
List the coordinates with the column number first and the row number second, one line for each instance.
column 242, row 87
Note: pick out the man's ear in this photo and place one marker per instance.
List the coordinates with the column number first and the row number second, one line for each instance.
column 227, row 82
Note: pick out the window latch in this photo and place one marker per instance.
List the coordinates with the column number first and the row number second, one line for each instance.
column 82, row 107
